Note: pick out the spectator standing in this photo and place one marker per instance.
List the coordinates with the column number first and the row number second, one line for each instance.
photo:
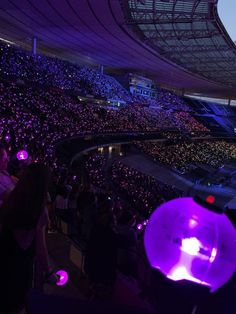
column 101, row 255
column 22, row 237
column 6, row 182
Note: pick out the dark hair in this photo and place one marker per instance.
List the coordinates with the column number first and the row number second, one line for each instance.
column 104, row 202
column 74, row 191
column 62, row 191
column 26, row 202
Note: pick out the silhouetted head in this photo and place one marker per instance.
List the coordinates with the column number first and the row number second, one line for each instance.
column 26, row 202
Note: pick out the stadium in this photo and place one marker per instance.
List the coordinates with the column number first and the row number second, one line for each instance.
column 117, row 157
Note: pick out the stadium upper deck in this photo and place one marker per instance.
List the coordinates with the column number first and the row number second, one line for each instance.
column 181, row 43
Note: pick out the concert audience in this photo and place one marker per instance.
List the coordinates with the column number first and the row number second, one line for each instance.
column 142, row 191
column 184, row 155
column 38, row 109
column 95, row 168
column 102, row 247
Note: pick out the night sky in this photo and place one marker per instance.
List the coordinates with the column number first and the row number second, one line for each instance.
column 227, row 13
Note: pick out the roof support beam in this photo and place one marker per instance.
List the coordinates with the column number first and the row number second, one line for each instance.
column 179, row 34
column 193, row 49
column 166, row 20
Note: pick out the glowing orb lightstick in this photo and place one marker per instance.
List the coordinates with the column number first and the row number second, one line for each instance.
column 63, row 277
column 185, row 240
column 7, row 137
column 22, row 155
column 139, row 226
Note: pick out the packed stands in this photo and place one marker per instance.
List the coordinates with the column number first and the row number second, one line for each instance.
column 95, row 168
column 183, row 155
column 164, row 98
column 45, row 115
column 51, row 72
column 142, row 191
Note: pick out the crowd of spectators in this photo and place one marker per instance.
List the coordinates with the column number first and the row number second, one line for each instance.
column 37, row 109
column 141, row 192
column 20, row 64
column 164, row 98
column 52, row 72
column 95, row 167
column 174, row 136
column 34, row 119
column 182, row 156
column 102, row 86
column 184, row 121
column 35, row 116
column 144, row 192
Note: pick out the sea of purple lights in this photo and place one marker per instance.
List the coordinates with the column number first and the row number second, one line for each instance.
column 36, row 112
column 52, row 72
column 34, row 119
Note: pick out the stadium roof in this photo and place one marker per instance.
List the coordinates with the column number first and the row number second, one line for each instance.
column 188, row 32
column 181, row 43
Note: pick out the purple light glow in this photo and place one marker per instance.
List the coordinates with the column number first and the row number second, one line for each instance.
column 139, row 226
column 191, row 246
column 7, row 137
column 192, row 223
column 187, row 241
column 213, row 255
column 63, row 277
column 22, row 155
column 180, row 273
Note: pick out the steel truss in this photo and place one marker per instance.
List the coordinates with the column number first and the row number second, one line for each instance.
column 188, row 32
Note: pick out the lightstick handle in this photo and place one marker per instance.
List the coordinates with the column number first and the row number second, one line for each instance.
column 52, row 278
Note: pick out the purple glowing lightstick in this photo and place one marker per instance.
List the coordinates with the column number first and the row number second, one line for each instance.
column 7, row 137
column 187, row 241
column 139, row 226
column 22, row 155
column 63, row 277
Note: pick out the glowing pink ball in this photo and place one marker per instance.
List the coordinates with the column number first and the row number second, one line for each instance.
column 187, row 241
column 7, row 137
column 63, row 277
column 22, row 155
column 139, row 226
